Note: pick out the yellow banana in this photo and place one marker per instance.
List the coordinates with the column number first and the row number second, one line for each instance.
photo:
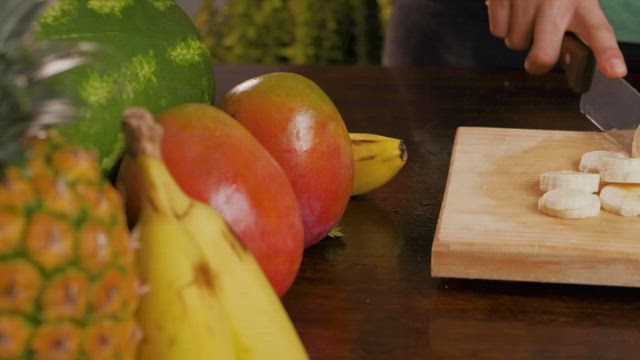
column 261, row 324
column 243, row 300
column 181, row 316
column 377, row 160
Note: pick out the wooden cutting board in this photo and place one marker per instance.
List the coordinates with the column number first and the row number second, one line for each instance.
column 489, row 225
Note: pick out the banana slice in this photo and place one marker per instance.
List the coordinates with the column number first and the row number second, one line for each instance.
column 588, row 182
column 620, row 164
column 569, row 204
column 593, row 161
column 621, row 170
column 621, row 199
column 621, row 177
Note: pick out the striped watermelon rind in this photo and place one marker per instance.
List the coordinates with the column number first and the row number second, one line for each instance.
column 152, row 55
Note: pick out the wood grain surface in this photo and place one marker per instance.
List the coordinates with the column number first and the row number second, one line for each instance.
column 371, row 295
column 490, row 227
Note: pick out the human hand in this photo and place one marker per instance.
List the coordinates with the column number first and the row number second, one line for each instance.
column 540, row 25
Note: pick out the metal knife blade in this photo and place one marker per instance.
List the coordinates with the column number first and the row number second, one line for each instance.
column 611, row 104
column 614, row 107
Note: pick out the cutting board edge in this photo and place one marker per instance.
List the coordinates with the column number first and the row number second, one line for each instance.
column 458, row 262
column 447, row 183
column 462, row 129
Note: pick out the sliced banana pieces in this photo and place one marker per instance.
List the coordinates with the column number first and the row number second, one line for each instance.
column 569, row 194
column 589, row 182
column 569, row 203
column 593, row 161
column 621, row 199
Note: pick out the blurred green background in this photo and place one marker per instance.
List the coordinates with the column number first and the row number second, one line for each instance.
column 293, row 31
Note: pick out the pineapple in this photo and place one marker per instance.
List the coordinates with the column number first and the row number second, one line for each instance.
column 68, row 287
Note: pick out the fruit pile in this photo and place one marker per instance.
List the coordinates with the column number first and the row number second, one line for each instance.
column 187, row 256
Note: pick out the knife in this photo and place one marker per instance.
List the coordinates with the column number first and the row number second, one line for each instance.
column 611, row 104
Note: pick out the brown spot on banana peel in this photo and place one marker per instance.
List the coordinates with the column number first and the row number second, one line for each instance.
column 203, row 275
column 367, row 158
column 402, row 153
column 363, row 141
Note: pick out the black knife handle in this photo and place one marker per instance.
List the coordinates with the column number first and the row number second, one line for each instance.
column 578, row 63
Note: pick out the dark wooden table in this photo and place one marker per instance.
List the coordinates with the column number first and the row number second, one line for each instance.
column 370, row 295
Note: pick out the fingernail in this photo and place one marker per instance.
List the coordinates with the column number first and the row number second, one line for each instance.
column 527, row 65
column 506, row 42
column 617, row 67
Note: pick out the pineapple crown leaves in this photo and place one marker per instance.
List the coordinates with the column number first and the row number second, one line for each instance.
column 27, row 103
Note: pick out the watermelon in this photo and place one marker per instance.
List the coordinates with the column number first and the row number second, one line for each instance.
column 150, row 55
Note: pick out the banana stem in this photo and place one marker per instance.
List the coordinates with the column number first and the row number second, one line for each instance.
column 143, row 134
column 160, row 192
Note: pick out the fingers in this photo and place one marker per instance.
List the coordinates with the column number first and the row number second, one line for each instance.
column 550, row 26
column 523, row 14
column 499, row 14
column 541, row 25
column 591, row 25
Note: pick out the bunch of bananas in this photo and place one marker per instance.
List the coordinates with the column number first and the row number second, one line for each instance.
column 210, row 299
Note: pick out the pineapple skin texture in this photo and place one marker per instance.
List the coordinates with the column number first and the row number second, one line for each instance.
column 68, row 285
